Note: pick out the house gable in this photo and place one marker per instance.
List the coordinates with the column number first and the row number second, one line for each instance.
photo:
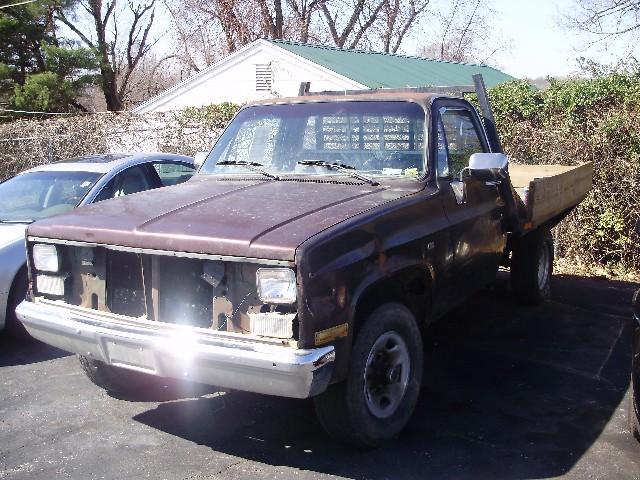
column 258, row 70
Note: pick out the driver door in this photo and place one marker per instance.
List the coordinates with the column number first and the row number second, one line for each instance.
column 473, row 207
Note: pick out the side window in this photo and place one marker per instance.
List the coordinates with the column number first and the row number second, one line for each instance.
column 173, row 173
column 462, row 139
column 132, row 180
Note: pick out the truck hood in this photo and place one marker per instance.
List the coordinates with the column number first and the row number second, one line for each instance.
column 222, row 216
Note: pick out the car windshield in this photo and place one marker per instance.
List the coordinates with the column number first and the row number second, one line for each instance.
column 374, row 138
column 34, row 195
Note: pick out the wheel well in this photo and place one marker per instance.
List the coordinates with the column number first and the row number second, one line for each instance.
column 410, row 287
column 21, row 275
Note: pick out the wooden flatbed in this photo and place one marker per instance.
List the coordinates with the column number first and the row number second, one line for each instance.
column 550, row 190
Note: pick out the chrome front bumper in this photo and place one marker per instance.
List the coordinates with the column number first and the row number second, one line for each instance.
column 216, row 358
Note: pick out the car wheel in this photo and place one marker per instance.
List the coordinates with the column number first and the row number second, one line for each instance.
column 378, row 397
column 632, row 413
column 18, row 294
column 114, row 380
column 532, row 267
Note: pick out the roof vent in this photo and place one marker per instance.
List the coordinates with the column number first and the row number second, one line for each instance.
column 264, row 77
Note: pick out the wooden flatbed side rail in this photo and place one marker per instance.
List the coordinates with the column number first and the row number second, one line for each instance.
column 553, row 189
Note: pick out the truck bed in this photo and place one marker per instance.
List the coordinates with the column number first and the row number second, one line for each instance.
column 550, row 190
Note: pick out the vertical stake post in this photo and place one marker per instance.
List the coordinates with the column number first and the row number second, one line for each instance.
column 304, row 88
column 487, row 113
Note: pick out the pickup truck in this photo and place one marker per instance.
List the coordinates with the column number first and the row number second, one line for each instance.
column 318, row 239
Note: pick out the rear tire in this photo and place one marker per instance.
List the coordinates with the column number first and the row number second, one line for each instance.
column 632, row 414
column 114, row 379
column 532, row 267
column 378, row 397
column 18, row 294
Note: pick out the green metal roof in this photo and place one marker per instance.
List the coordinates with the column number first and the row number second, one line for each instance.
column 390, row 70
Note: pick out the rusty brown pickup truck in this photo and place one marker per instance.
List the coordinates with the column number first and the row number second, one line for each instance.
column 319, row 237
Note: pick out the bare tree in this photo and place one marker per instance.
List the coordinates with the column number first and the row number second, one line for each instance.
column 196, row 37
column 153, row 75
column 118, row 58
column 378, row 24
column 461, row 32
column 617, row 20
column 608, row 25
column 303, row 13
column 397, row 19
column 359, row 18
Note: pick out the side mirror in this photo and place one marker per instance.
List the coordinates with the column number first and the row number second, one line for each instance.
column 488, row 166
column 199, row 158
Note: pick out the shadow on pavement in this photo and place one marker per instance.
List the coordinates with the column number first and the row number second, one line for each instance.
column 510, row 392
column 167, row 389
column 15, row 351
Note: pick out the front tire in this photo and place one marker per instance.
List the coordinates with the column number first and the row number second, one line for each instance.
column 378, row 397
column 532, row 267
column 114, row 380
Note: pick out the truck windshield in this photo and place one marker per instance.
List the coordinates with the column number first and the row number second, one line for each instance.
column 375, row 138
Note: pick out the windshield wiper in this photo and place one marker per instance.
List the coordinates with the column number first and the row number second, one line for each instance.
column 253, row 166
column 341, row 167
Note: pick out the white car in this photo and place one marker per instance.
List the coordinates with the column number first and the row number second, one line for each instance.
column 55, row 188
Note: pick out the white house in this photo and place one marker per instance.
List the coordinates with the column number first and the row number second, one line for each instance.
column 275, row 68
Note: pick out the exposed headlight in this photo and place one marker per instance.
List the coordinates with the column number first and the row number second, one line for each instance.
column 276, row 285
column 45, row 258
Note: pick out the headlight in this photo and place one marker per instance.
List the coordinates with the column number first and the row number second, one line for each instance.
column 50, row 285
column 276, row 285
column 45, row 258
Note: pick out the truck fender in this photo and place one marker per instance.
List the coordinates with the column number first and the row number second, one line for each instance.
column 392, row 271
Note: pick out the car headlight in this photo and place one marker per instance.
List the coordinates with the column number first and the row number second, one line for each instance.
column 276, row 285
column 45, row 258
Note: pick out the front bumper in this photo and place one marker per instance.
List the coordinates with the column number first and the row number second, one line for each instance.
column 216, row 358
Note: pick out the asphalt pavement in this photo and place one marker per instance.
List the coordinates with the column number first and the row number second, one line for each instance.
column 510, row 392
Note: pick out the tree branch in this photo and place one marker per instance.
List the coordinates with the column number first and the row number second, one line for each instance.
column 61, row 16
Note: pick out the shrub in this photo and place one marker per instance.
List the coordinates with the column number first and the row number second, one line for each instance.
column 576, row 121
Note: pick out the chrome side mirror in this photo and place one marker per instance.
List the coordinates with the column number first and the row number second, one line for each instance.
column 199, row 158
column 482, row 163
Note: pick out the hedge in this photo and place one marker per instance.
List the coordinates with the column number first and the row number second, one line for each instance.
column 575, row 121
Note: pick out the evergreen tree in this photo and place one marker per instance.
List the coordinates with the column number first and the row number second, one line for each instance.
column 38, row 72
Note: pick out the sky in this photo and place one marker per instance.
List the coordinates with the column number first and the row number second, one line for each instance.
column 540, row 46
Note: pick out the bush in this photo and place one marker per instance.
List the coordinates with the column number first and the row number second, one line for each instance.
column 576, row 121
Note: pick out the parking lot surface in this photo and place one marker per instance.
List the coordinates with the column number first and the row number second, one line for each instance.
column 510, row 392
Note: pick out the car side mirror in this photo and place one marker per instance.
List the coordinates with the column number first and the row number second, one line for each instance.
column 199, row 158
column 488, row 166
